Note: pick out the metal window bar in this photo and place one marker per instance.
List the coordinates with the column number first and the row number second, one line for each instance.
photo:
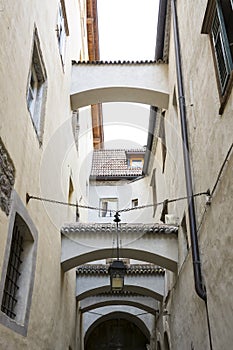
column 11, row 287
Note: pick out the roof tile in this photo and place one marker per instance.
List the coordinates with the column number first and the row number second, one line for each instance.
column 114, row 163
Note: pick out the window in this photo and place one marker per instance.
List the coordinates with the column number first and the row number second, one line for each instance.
column 76, row 127
column 134, row 203
column 162, row 136
column 183, row 241
column 136, row 163
column 218, row 23
column 10, row 294
column 18, row 270
column 164, row 210
column 154, row 191
column 37, row 86
column 71, row 191
column 62, row 30
column 108, row 207
column 77, row 216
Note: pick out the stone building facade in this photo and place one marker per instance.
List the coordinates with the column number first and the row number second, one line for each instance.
column 46, row 79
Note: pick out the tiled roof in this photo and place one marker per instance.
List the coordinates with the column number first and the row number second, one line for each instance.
column 112, row 163
column 123, row 228
column 118, row 62
column 133, row 269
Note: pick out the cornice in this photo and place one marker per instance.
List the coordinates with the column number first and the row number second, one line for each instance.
column 123, row 228
column 133, row 269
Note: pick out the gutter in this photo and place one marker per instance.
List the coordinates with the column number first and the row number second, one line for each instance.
column 159, row 56
column 199, row 285
column 159, row 49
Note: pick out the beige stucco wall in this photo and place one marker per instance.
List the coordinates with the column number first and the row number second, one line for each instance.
column 40, row 170
column 210, row 136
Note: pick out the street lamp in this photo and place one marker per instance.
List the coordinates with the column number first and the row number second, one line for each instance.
column 117, row 269
column 117, row 272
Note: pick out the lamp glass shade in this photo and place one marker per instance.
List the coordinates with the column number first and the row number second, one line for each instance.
column 117, row 282
column 117, row 271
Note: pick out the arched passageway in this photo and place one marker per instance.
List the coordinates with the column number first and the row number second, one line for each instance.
column 154, row 243
column 140, row 83
column 116, row 334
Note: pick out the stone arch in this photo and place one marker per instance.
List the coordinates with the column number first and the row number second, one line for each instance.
column 143, row 83
column 116, row 315
column 134, row 289
column 121, row 302
column 74, row 260
column 119, row 94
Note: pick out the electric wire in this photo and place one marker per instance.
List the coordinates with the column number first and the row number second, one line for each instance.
column 54, row 201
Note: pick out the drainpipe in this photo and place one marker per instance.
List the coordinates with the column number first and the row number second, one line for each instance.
column 199, row 286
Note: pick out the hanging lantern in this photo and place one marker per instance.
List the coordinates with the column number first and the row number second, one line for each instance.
column 117, row 272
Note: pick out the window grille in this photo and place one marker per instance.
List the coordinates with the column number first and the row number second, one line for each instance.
column 11, row 287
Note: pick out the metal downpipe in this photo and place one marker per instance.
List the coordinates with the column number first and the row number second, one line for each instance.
column 199, row 286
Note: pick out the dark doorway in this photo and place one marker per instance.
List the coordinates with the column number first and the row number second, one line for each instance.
column 116, row 334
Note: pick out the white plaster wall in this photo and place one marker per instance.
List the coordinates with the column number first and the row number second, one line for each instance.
column 125, row 191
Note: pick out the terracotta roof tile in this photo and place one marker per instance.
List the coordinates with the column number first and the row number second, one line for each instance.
column 124, row 228
column 114, row 163
column 118, row 62
column 133, row 269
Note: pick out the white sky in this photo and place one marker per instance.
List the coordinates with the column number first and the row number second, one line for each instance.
column 127, row 31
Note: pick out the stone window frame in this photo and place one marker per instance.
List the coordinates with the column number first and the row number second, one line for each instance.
column 37, row 87
column 214, row 14
column 26, row 284
column 62, row 30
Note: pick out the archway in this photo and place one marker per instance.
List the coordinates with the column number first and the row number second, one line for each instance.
column 116, row 334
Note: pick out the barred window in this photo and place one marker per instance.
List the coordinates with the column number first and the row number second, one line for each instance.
column 10, row 294
column 18, row 271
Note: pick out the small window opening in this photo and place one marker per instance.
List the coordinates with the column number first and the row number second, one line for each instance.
column 135, row 203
